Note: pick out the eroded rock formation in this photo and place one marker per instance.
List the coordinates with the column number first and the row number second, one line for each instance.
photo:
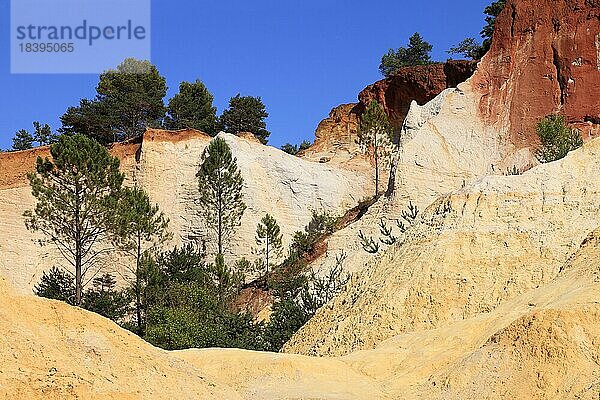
column 165, row 164
column 336, row 135
column 545, row 58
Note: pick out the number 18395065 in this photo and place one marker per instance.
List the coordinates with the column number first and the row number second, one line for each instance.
column 47, row 47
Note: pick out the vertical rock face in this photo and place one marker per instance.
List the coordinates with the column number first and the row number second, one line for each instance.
column 545, row 58
column 419, row 83
column 335, row 137
column 165, row 163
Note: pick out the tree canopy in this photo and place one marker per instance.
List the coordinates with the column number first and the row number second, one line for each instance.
column 193, row 108
column 42, row 135
column 469, row 48
column 140, row 227
column 268, row 238
column 492, row 12
column 246, row 114
column 417, row 53
column 375, row 135
column 129, row 99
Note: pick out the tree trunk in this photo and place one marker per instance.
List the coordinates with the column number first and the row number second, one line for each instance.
column 138, row 288
column 220, row 223
column 267, row 266
column 78, row 248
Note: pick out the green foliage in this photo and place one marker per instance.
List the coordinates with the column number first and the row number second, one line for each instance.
column 56, row 284
column 193, row 108
column 299, row 298
column 228, row 281
column 287, row 318
column 246, row 114
column 371, row 246
column 102, row 298
column 469, row 48
column 557, row 138
column 220, row 184
column 417, row 53
column 187, row 304
column 42, row 134
column 105, row 300
column 76, row 193
column 23, row 140
column 128, row 100
column 294, row 149
column 387, row 236
column 487, row 33
column 375, row 136
column 411, row 213
column 320, row 225
column 91, row 119
column 139, row 227
column 368, row 243
column 268, row 238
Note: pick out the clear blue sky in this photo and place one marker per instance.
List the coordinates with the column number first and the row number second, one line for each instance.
column 301, row 57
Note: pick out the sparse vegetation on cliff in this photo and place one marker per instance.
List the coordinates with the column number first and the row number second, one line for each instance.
column 557, row 138
column 469, row 47
column 268, row 238
column 42, row 135
column 416, row 53
column 246, row 114
column 294, row 149
column 375, row 137
column 140, row 228
column 192, row 108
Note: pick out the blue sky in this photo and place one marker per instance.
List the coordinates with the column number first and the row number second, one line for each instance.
column 302, row 58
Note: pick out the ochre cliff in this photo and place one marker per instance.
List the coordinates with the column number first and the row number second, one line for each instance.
column 420, row 83
column 451, row 150
column 336, row 135
column 165, row 163
column 539, row 345
column 470, row 251
column 544, row 59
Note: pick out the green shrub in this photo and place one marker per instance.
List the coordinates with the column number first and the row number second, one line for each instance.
column 557, row 138
column 56, row 284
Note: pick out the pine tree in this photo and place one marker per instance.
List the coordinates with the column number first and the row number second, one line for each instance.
column 469, row 48
column 375, row 134
column 268, row 238
column 487, row 33
column 140, row 227
column 193, row 108
column 23, row 140
column 92, row 119
column 56, row 284
column 246, row 114
column 220, row 184
column 129, row 99
column 105, row 299
column 417, row 53
column 76, row 193
column 43, row 134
